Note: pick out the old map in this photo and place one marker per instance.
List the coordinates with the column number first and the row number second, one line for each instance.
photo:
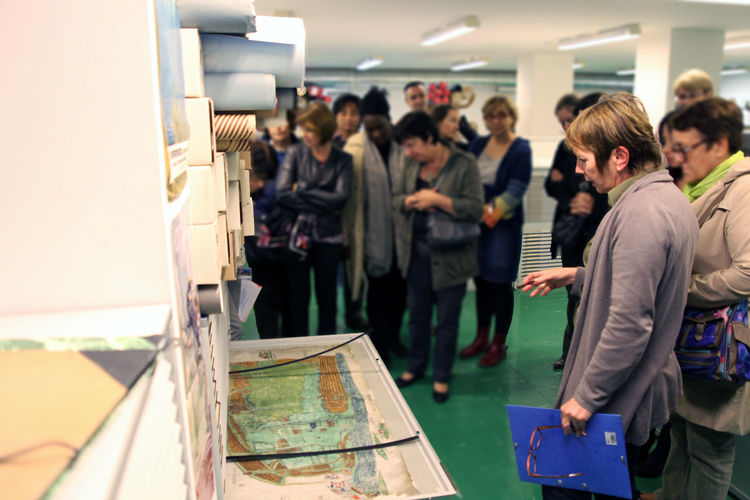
column 318, row 404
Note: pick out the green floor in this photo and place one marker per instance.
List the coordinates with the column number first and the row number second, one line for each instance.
column 470, row 432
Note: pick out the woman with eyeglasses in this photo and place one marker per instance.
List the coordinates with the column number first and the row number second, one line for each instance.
column 505, row 168
column 708, row 136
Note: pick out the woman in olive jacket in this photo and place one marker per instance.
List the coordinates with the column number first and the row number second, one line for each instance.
column 436, row 177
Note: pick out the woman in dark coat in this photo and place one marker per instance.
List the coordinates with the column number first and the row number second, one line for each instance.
column 314, row 182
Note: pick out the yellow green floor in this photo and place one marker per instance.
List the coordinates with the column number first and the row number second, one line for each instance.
column 470, row 432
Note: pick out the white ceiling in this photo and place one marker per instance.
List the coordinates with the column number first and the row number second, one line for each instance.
column 340, row 33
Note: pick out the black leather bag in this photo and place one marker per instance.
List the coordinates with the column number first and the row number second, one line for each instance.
column 567, row 230
column 445, row 231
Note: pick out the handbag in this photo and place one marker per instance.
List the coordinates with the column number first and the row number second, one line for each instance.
column 284, row 236
column 443, row 230
column 714, row 344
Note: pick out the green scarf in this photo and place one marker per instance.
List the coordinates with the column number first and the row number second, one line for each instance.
column 695, row 191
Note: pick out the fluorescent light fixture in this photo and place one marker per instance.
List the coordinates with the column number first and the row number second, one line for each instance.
column 370, row 62
column 607, row 36
column 465, row 25
column 728, row 2
column 578, row 65
column 733, row 71
column 737, row 43
column 625, row 72
column 476, row 62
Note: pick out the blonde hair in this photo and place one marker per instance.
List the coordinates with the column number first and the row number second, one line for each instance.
column 501, row 100
column 694, row 80
column 616, row 120
column 318, row 118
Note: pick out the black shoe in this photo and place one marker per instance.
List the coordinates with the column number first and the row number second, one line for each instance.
column 357, row 323
column 402, row 382
column 440, row 397
column 559, row 364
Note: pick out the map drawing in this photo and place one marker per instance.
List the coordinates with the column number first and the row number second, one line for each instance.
column 322, row 403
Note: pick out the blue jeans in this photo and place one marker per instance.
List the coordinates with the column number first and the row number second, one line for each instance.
column 421, row 299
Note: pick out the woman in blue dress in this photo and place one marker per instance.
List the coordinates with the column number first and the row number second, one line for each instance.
column 505, row 167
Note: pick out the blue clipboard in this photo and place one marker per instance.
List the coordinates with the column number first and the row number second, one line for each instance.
column 600, row 456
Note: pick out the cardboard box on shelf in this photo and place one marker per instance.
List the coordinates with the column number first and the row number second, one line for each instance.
column 223, row 240
column 234, row 219
column 201, row 179
column 205, row 253
column 246, row 202
column 192, row 63
column 221, row 182
column 233, row 165
column 202, row 146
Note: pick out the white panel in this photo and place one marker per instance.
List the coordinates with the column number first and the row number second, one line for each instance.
column 83, row 90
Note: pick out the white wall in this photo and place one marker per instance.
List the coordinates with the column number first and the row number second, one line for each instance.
column 737, row 88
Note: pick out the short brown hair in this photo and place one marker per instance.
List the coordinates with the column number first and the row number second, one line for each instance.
column 501, row 100
column 694, row 80
column 616, row 120
column 714, row 118
column 318, row 118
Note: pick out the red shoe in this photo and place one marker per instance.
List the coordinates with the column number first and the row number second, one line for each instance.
column 497, row 352
column 479, row 345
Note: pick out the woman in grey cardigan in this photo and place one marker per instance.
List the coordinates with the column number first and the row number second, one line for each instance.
column 634, row 285
column 436, row 177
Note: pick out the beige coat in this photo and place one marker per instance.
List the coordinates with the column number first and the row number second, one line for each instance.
column 721, row 275
column 353, row 217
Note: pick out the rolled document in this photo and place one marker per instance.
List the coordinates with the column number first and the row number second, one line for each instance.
column 234, row 126
column 218, row 16
column 234, row 144
column 241, row 91
column 234, row 54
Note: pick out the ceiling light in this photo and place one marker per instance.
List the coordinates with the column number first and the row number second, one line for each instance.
column 578, row 65
column 476, row 62
column 607, row 36
column 370, row 62
column 730, row 2
column 625, row 72
column 733, row 71
column 465, row 25
column 737, row 43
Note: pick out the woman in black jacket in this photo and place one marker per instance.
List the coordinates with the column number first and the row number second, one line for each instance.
column 314, row 182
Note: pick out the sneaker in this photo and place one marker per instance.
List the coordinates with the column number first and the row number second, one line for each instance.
column 559, row 364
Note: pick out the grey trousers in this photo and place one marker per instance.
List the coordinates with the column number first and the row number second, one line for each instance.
column 699, row 466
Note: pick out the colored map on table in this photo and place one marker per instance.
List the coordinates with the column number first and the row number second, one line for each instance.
column 318, row 404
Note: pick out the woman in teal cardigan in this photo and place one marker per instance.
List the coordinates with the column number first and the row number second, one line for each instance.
column 436, row 177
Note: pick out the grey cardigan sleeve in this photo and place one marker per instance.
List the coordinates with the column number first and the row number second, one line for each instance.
column 469, row 202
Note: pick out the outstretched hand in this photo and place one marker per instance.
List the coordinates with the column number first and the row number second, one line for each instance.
column 548, row 280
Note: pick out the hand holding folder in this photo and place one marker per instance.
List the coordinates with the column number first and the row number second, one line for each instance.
column 593, row 461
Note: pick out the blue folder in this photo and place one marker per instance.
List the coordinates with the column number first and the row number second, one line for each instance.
column 600, row 456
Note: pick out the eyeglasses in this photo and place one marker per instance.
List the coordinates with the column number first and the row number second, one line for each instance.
column 684, row 150
column 534, row 443
column 496, row 116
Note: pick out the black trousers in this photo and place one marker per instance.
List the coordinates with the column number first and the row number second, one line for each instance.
column 571, row 257
column 323, row 259
column 494, row 299
column 555, row 493
column 273, row 306
column 422, row 300
column 386, row 304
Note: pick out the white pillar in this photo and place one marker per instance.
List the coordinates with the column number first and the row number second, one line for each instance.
column 662, row 56
column 542, row 78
